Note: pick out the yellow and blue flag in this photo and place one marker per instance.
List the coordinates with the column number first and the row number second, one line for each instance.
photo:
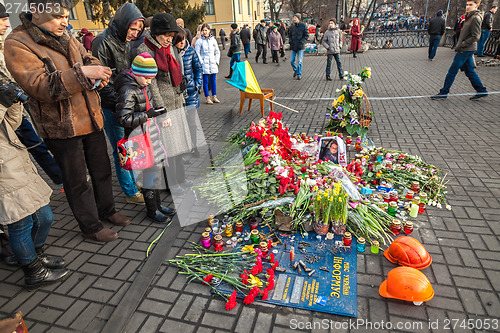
column 243, row 78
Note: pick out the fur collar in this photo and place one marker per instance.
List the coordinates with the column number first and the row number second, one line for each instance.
column 39, row 37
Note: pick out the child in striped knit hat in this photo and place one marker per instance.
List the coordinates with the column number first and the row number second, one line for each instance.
column 134, row 108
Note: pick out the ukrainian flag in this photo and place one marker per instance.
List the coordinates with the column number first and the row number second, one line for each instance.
column 243, row 78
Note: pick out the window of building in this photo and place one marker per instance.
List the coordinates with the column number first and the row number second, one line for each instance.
column 89, row 11
column 209, row 7
column 258, row 9
column 72, row 14
column 239, row 7
column 249, row 9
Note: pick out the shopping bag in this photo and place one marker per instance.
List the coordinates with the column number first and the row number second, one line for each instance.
column 136, row 152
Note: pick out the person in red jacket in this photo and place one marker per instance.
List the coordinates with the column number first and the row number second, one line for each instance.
column 87, row 38
column 356, row 37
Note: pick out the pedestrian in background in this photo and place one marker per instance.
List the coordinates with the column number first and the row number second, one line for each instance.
column 275, row 44
column 198, row 35
column 486, row 27
column 298, row 35
column 87, row 38
column 209, row 54
column 466, row 45
column 261, row 40
column 282, row 31
column 180, row 23
column 222, row 35
column 355, row 37
column 436, row 30
column 234, row 48
column 332, row 41
column 246, row 36
column 456, row 30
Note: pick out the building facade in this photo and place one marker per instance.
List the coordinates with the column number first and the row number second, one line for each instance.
column 220, row 14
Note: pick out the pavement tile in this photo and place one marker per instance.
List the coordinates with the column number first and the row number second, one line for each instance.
column 180, row 306
column 176, row 326
column 218, row 320
column 155, row 307
column 471, row 301
column 245, row 320
column 71, row 313
column 151, row 324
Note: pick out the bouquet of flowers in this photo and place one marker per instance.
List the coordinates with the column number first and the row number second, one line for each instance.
column 345, row 110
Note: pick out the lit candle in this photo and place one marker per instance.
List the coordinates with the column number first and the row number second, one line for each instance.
column 414, row 210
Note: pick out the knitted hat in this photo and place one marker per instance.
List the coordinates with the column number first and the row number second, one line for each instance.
column 3, row 11
column 144, row 65
column 298, row 15
column 439, row 13
column 163, row 23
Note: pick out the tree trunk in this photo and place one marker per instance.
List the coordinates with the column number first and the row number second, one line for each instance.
column 370, row 8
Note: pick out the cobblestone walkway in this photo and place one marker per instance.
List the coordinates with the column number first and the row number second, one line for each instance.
column 456, row 134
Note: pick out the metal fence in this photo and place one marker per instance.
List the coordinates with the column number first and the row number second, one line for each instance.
column 490, row 47
column 399, row 39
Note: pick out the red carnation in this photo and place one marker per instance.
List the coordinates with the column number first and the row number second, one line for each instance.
column 272, row 258
column 244, row 278
column 248, row 299
column 264, row 294
column 231, row 303
column 208, row 278
column 255, row 270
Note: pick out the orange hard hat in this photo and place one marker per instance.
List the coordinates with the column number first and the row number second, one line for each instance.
column 407, row 284
column 407, row 251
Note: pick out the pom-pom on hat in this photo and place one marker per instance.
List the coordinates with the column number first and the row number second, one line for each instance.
column 144, row 65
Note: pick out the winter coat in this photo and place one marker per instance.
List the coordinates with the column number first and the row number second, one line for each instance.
column 261, row 35
column 209, row 54
column 62, row 102
column 189, row 36
column 222, row 35
column 356, row 38
column 193, row 72
column 436, row 26
column 332, row 40
column 22, row 190
column 471, row 31
column 87, row 40
column 235, row 43
column 487, row 21
column 282, row 31
column 112, row 50
column 275, row 41
column 245, row 36
column 298, row 35
column 131, row 108
column 177, row 137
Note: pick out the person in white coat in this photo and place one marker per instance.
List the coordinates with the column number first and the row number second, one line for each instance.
column 209, row 54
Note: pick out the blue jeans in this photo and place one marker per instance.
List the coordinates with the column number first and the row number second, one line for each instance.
column 234, row 58
column 329, row 64
column 30, row 232
column 433, row 45
column 210, row 80
column 115, row 133
column 482, row 40
column 297, row 68
column 40, row 153
column 247, row 48
column 462, row 60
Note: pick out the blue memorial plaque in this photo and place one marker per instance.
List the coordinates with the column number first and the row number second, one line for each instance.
column 328, row 284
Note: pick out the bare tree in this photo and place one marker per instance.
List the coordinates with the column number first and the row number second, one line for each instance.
column 275, row 7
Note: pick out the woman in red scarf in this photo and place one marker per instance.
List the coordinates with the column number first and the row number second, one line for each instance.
column 356, row 37
column 167, row 89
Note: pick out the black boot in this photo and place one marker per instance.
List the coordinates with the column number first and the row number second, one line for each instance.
column 152, row 208
column 52, row 262
column 230, row 73
column 37, row 275
column 6, row 253
column 165, row 210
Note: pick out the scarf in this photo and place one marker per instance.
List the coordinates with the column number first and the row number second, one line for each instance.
column 166, row 62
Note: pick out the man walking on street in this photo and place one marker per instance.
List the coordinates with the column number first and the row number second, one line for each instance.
column 261, row 40
column 436, row 30
column 234, row 47
column 59, row 76
column 222, row 35
column 113, row 49
column 298, row 35
column 486, row 27
column 466, row 45
column 332, row 41
column 246, row 36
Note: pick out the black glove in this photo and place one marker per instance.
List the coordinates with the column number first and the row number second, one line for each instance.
column 151, row 113
column 8, row 95
column 184, row 83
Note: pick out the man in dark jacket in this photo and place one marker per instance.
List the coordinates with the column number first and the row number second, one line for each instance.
column 298, row 35
column 222, row 35
column 189, row 36
column 112, row 48
column 234, row 48
column 246, row 36
column 59, row 76
column 436, row 30
column 466, row 45
column 282, row 31
column 486, row 27
column 261, row 40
